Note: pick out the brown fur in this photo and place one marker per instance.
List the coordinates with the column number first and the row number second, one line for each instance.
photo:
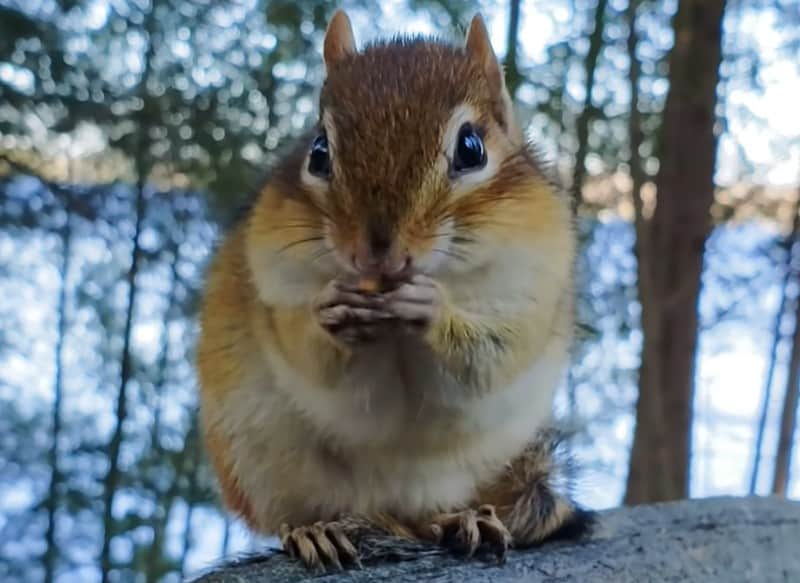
column 361, row 95
column 282, row 398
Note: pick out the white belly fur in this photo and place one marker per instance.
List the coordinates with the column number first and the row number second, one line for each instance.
column 409, row 445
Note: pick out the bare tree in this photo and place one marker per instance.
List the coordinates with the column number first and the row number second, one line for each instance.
column 54, row 489
column 587, row 113
column 513, row 75
column 164, row 499
column 113, row 475
column 789, row 245
column 635, row 133
column 783, row 453
column 671, row 258
column 192, row 461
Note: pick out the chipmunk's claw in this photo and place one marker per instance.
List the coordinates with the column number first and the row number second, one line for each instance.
column 466, row 531
column 319, row 546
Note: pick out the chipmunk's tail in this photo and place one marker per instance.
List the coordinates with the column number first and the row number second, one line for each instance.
column 539, row 505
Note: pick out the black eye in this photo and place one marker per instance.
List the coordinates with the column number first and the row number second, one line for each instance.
column 319, row 163
column 470, row 153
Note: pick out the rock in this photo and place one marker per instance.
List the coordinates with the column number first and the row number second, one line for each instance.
column 722, row 540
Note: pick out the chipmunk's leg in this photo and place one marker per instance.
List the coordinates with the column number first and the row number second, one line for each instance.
column 520, row 508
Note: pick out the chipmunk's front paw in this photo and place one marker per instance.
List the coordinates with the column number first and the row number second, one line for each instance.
column 464, row 532
column 319, row 546
column 350, row 316
column 417, row 303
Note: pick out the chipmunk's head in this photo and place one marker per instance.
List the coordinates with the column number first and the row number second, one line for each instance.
column 416, row 162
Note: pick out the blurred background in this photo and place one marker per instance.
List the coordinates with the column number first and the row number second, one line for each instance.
column 131, row 132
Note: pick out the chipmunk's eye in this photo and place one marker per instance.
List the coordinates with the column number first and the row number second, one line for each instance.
column 319, row 162
column 470, row 153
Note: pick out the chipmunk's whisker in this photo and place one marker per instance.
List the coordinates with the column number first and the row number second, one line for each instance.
column 300, row 242
column 320, row 254
column 451, row 253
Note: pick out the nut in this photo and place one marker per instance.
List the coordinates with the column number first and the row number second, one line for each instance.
column 369, row 285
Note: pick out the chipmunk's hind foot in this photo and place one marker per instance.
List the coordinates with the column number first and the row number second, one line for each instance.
column 320, row 546
column 465, row 532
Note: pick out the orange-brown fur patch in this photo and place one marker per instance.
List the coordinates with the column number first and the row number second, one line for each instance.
column 232, row 495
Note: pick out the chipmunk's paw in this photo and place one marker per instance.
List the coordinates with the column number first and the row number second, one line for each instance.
column 416, row 303
column 320, row 546
column 348, row 315
column 464, row 532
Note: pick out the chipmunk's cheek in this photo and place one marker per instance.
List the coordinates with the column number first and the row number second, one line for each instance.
column 429, row 261
column 437, row 255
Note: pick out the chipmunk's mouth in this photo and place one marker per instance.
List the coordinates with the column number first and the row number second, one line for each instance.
column 395, row 259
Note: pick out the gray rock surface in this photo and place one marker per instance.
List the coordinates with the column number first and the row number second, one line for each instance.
column 720, row 540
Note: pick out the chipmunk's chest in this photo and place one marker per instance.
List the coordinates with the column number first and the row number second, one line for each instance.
column 397, row 389
column 395, row 431
column 411, row 436
column 400, row 395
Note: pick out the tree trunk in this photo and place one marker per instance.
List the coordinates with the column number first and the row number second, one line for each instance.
column 585, row 118
column 635, row 140
column 53, row 496
column 513, row 76
column 783, row 453
column 789, row 244
column 164, row 499
column 113, row 475
column 112, row 478
column 193, row 451
column 635, row 134
column 671, row 258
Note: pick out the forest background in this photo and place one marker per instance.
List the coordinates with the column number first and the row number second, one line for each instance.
column 131, row 132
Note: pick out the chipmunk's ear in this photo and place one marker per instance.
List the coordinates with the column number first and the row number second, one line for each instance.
column 479, row 48
column 339, row 40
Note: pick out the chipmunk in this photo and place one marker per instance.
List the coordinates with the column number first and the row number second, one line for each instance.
column 383, row 334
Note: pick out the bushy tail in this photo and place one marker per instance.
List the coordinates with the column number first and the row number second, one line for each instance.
column 535, row 504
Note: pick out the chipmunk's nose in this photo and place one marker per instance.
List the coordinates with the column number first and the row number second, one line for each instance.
column 387, row 263
column 378, row 254
column 380, row 241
